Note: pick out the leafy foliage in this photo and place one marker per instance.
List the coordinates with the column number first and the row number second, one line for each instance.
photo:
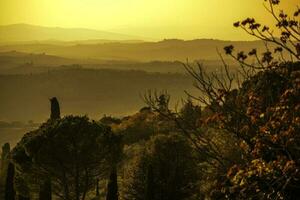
column 155, row 175
column 73, row 152
column 271, row 108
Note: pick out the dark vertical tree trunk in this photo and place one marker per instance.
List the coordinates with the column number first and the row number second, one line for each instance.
column 46, row 190
column 112, row 186
column 20, row 197
column 55, row 109
column 97, row 188
column 77, row 192
column 86, row 187
column 150, row 184
column 10, row 192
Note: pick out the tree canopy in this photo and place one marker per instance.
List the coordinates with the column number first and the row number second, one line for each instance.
column 73, row 152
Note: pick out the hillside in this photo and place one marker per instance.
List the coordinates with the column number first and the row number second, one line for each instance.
column 82, row 91
column 166, row 50
column 25, row 32
column 14, row 59
column 14, row 62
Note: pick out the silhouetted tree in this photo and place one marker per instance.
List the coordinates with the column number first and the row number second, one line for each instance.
column 21, row 197
column 259, row 113
column 97, row 188
column 165, row 170
column 150, row 191
column 5, row 151
column 116, row 151
column 3, row 167
column 10, row 192
column 55, row 109
column 190, row 114
column 163, row 102
column 112, row 186
column 22, row 186
column 72, row 151
column 45, row 190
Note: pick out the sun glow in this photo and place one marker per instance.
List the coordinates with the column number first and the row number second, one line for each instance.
column 159, row 19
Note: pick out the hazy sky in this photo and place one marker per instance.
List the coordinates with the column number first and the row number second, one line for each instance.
column 158, row 19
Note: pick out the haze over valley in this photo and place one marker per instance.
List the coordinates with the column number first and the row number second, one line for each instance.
column 93, row 72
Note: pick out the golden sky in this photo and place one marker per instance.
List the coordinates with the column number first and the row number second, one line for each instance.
column 185, row 19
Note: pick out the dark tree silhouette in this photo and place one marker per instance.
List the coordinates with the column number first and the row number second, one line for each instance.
column 190, row 114
column 55, row 109
column 21, row 197
column 163, row 102
column 150, row 191
column 112, row 186
column 72, row 151
column 5, row 151
column 260, row 113
column 4, row 157
column 97, row 188
column 22, row 186
column 166, row 169
column 10, row 192
column 45, row 190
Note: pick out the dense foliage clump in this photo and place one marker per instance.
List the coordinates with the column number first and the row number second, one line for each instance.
column 165, row 169
column 73, row 152
column 267, row 109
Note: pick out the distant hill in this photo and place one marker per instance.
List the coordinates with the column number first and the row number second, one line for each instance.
column 14, row 62
column 166, row 50
column 25, row 32
column 14, row 59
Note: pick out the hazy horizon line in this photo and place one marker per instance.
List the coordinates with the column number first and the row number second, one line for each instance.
column 146, row 39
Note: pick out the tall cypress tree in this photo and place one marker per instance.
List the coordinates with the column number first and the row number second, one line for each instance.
column 55, row 109
column 10, row 192
column 5, row 150
column 112, row 186
column 45, row 190
column 4, row 154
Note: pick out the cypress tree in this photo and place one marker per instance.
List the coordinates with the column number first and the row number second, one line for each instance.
column 5, row 154
column 45, row 190
column 5, row 151
column 55, row 109
column 112, row 186
column 10, row 192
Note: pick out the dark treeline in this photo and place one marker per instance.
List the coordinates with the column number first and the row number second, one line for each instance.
column 237, row 138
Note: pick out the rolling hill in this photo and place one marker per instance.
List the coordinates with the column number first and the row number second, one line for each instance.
column 24, row 32
column 166, row 50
